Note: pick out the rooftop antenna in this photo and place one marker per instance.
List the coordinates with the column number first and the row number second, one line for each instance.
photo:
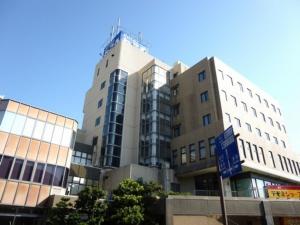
column 119, row 25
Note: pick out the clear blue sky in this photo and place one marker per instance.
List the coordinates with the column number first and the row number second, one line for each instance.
column 48, row 49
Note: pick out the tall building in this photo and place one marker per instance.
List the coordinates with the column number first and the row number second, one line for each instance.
column 35, row 155
column 140, row 110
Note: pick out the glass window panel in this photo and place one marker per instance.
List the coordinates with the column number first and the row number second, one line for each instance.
column 67, row 136
column 17, row 169
column 58, row 177
column 48, row 132
column 38, row 130
column 6, row 121
column 18, row 124
column 83, row 155
column 76, row 179
column 5, row 166
column 28, row 171
column 66, row 177
column 49, row 174
column 38, row 172
column 57, row 135
column 29, row 125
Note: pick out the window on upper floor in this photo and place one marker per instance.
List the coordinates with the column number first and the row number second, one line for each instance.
column 174, row 90
column 283, row 143
column 272, row 159
column 234, row 100
column 212, row 145
column 176, row 109
column 262, row 154
column 201, row 76
column 254, row 111
column 100, row 103
column 267, row 136
column 224, row 94
column 285, row 163
column 183, row 155
column 273, row 107
column 263, row 117
column 192, row 151
column 278, row 125
column 202, row 150
column 279, row 111
column 258, row 98
column 275, row 140
column 230, row 79
column 281, row 163
column 283, row 127
column 266, row 103
column 227, row 117
column 220, row 72
column 176, row 131
column 245, row 106
column 241, row 86
column 102, row 85
column 271, row 121
column 237, row 122
column 258, row 132
column 175, row 75
column 97, row 121
column 250, row 92
column 204, row 96
column 249, row 128
column 206, row 120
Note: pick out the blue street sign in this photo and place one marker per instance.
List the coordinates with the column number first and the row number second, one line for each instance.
column 228, row 154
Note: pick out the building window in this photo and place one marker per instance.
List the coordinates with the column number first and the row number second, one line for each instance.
column 176, row 109
column 250, row 92
column 266, row 103
column 100, row 103
column 275, row 140
column 237, row 122
column 102, row 85
column 283, row 127
column 206, row 120
column 263, row 117
column 262, row 154
column 267, row 136
column 174, row 90
column 258, row 98
column 204, row 96
column 283, row 143
column 174, row 157
column 176, row 130
column 225, row 95
column 202, row 76
column 271, row 121
column 230, row 79
column 97, row 121
column 242, row 147
column 249, row 150
column 254, row 111
column 258, row 132
column 192, row 151
column 202, row 150
column 228, row 119
column 286, row 165
column 175, row 75
column 220, row 72
column 256, row 153
column 234, row 100
column 249, row 128
column 272, row 159
column 279, row 111
column 278, row 125
column 274, row 108
column 290, row 164
column 295, row 168
column 280, row 160
column 183, row 155
column 241, row 86
column 212, row 146
column 245, row 106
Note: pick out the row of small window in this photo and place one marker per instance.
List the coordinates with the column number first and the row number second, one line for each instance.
column 262, row 115
column 290, row 165
column 19, row 169
column 250, row 92
column 191, row 156
column 82, row 158
column 77, row 184
column 258, row 131
column 22, row 125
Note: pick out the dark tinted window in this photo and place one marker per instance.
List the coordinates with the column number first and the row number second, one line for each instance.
column 5, row 166
column 38, row 172
column 59, row 174
column 17, row 169
column 49, row 173
column 28, row 171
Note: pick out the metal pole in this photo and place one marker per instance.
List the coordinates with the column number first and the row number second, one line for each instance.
column 221, row 189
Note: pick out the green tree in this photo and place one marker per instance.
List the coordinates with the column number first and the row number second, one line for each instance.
column 126, row 207
column 89, row 209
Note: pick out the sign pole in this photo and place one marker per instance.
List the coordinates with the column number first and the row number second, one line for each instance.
column 221, row 188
